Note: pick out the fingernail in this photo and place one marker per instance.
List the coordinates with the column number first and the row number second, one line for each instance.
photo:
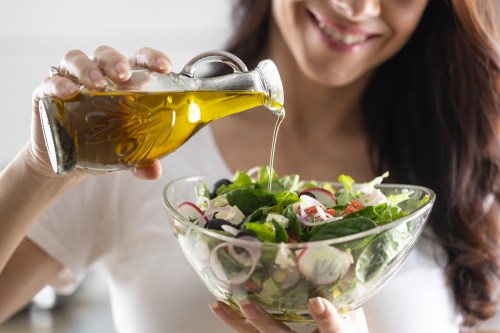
column 317, row 305
column 96, row 77
column 217, row 309
column 121, row 70
column 249, row 309
column 162, row 63
column 70, row 87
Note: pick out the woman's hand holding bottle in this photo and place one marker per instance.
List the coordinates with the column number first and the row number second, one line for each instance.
column 76, row 69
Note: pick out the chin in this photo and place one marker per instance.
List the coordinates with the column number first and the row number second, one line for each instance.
column 334, row 77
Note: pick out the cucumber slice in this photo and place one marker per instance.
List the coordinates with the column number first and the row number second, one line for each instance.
column 323, row 265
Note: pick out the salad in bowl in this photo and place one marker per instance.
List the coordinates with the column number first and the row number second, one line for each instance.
column 280, row 241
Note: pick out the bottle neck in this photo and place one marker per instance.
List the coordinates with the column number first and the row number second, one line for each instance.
column 251, row 83
column 247, row 81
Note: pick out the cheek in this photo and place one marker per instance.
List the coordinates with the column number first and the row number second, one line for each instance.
column 403, row 18
column 290, row 21
column 285, row 13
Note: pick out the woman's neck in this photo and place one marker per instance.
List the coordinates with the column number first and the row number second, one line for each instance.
column 311, row 105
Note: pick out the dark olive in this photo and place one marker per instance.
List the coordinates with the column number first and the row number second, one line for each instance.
column 245, row 235
column 216, row 224
column 218, row 184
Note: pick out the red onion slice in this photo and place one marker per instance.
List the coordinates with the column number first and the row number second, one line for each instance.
column 248, row 257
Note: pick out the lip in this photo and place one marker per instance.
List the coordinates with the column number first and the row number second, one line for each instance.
column 338, row 37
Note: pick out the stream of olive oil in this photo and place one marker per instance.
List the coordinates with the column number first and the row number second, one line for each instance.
column 280, row 119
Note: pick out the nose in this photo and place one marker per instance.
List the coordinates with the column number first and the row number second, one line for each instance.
column 357, row 10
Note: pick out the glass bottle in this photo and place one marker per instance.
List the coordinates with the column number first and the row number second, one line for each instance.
column 131, row 124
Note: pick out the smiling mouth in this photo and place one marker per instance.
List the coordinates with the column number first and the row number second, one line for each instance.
column 342, row 37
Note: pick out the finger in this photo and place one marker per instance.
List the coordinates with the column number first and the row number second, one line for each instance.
column 325, row 315
column 262, row 320
column 231, row 318
column 56, row 86
column 149, row 172
column 78, row 67
column 112, row 63
column 150, row 58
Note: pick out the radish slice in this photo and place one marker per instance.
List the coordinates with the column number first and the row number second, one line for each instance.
column 324, row 196
column 193, row 213
column 323, row 265
column 309, row 201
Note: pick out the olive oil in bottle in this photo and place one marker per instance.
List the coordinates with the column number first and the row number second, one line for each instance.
column 123, row 130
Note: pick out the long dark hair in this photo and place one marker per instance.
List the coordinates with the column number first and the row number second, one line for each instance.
column 433, row 115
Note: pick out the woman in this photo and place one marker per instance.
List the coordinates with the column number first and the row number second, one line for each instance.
column 423, row 118
column 371, row 85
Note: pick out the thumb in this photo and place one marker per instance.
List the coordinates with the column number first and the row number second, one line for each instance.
column 326, row 316
column 150, row 172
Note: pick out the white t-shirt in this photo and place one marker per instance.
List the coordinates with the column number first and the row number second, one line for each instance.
column 119, row 222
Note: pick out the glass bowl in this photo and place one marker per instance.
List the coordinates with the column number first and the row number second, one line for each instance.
column 348, row 270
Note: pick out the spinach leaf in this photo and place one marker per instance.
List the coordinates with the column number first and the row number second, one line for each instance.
column 241, row 180
column 369, row 212
column 258, row 215
column 249, row 201
column 342, row 228
column 281, row 235
column 286, row 198
column 294, row 224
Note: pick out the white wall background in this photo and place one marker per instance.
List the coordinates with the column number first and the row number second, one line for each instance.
column 35, row 35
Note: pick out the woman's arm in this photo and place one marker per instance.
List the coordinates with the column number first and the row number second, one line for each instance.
column 28, row 270
column 24, row 195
